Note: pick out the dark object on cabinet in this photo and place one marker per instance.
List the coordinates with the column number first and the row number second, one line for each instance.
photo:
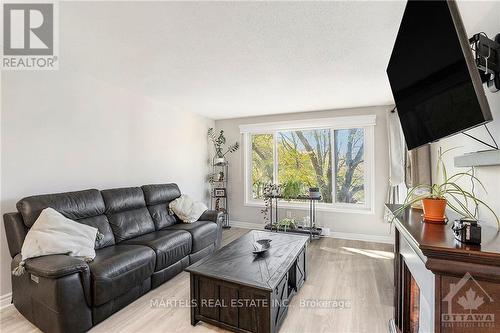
column 467, row 231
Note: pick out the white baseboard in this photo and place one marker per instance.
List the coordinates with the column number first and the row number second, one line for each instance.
column 5, row 300
column 333, row 234
column 246, row 225
column 362, row 237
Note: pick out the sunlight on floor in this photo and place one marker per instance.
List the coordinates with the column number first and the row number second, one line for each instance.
column 371, row 253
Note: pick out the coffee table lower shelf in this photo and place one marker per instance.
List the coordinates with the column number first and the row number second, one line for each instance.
column 314, row 232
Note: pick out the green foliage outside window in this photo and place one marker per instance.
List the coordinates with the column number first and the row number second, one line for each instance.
column 262, row 163
column 306, row 159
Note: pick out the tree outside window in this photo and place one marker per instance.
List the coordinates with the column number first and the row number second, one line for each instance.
column 349, row 166
column 262, row 163
column 312, row 158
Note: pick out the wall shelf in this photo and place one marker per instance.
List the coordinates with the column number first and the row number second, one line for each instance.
column 480, row 158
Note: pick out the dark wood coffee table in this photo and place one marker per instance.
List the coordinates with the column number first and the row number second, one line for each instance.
column 242, row 292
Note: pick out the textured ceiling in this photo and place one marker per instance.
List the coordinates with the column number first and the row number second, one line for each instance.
column 236, row 59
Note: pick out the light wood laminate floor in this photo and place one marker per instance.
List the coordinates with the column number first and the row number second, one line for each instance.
column 358, row 273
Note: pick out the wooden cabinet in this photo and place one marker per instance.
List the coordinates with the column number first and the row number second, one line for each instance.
column 241, row 292
column 242, row 308
column 440, row 284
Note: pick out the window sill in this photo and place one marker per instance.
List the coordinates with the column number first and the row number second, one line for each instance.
column 319, row 207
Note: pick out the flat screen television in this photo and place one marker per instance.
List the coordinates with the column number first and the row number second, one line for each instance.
column 434, row 80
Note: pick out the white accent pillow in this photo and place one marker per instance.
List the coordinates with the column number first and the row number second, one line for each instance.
column 52, row 233
column 187, row 209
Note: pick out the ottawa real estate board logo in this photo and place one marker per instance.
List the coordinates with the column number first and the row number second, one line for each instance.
column 30, row 36
column 468, row 305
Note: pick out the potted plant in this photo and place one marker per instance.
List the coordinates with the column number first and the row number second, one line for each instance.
column 314, row 192
column 268, row 192
column 292, row 189
column 285, row 224
column 447, row 193
column 219, row 140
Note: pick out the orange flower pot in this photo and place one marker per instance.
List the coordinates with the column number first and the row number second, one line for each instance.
column 434, row 210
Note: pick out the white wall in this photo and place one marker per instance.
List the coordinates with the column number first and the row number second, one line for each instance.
column 484, row 16
column 69, row 130
column 371, row 225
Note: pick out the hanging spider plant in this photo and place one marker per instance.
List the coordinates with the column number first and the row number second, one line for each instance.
column 447, row 193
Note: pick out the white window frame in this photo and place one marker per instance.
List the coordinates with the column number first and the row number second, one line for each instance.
column 367, row 123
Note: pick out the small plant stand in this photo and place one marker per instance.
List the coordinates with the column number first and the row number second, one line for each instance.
column 218, row 190
column 310, row 230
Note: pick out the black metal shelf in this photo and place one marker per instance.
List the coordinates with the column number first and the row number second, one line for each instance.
column 311, row 230
column 223, row 201
column 316, row 232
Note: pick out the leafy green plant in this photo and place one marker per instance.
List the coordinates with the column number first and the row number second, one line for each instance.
column 219, row 140
column 268, row 191
column 285, row 224
column 457, row 198
column 292, row 189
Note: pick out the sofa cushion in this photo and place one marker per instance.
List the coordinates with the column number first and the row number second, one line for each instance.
column 161, row 216
column 73, row 205
column 129, row 224
column 117, row 269
column 52, row 233
column 127, row 213
column 122, row 199
column 170, row 246
column 85, row 207
column 187, row 209
column 160, row 193
column 102, row 224
column 158, row 197
column 203, row 233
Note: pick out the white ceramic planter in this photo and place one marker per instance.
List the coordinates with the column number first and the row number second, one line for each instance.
column 219, row 160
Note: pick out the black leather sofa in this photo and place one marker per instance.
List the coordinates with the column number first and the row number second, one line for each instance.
column 143, row 246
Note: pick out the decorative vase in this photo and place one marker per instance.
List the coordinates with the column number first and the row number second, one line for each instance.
column 219, row 161
column 434, row 210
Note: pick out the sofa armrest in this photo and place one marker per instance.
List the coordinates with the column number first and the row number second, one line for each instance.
column 211, row 215
column 55, row 266
column 54, row 293
column 16, row 231
column 218, row 218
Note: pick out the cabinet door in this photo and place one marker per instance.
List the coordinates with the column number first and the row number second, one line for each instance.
column 300, row 269
column 280, row 302
column 297, row 273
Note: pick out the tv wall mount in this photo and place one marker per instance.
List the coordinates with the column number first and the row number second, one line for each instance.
column 487, row 57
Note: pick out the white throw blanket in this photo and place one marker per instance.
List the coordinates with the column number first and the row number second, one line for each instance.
column 187, row 209
column 52, row 233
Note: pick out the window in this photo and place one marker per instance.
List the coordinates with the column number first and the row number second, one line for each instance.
column 262, row 163
column 349, row 160
column 305, row 157
column 333, row 154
